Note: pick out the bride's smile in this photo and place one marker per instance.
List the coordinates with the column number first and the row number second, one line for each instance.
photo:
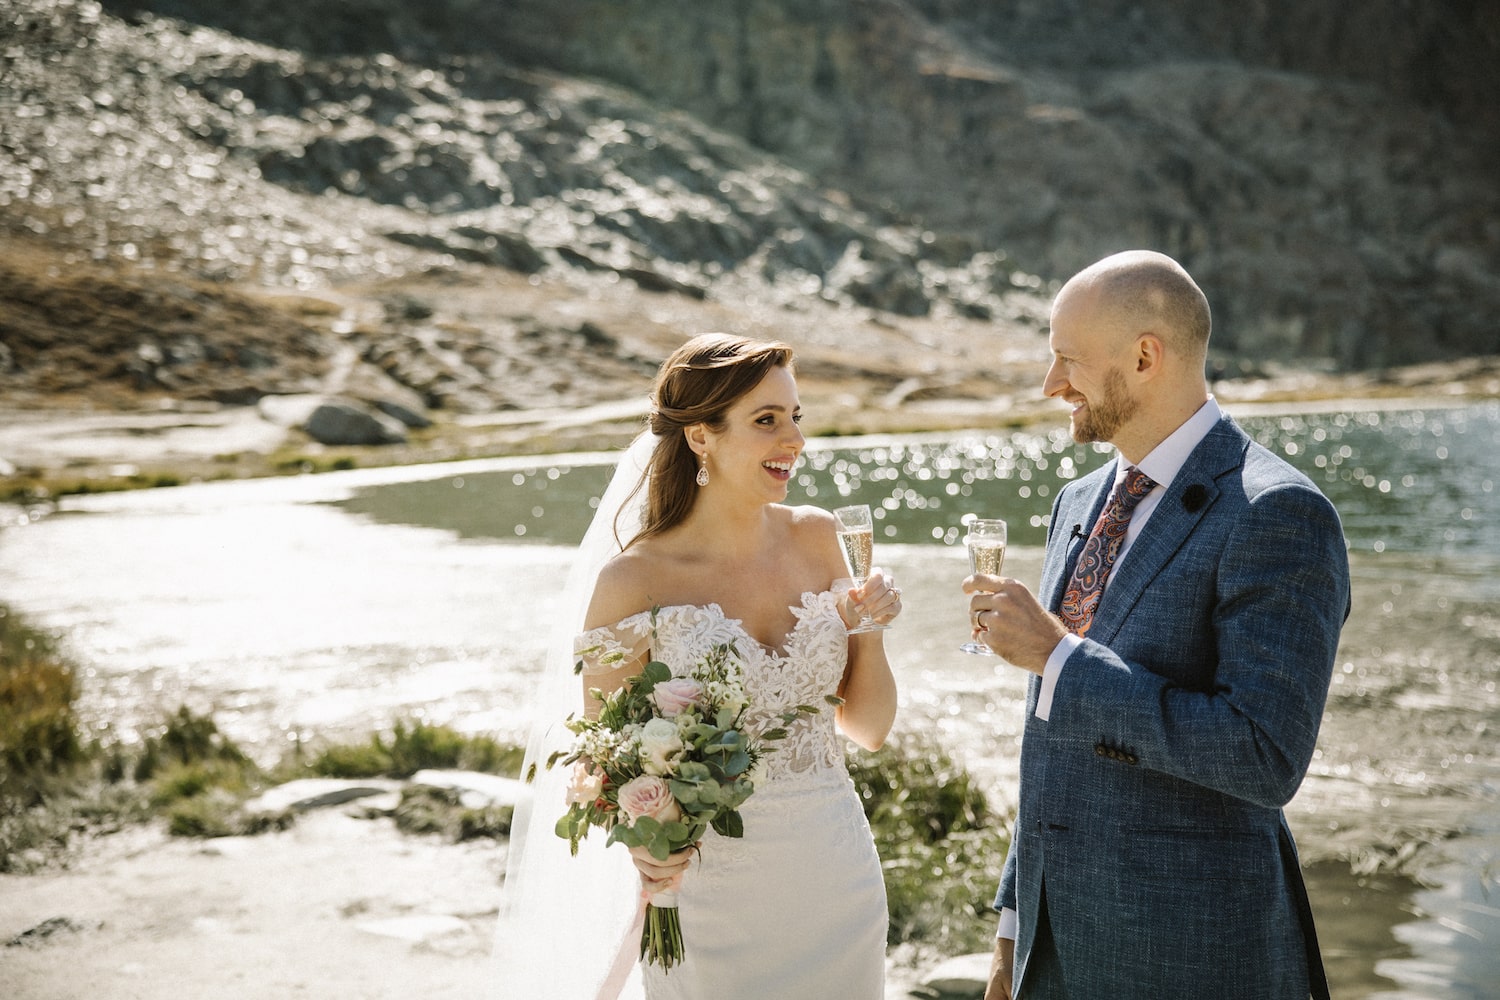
column 781, row 469
column 761, row 428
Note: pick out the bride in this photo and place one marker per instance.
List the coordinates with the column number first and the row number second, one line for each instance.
column 701, row 551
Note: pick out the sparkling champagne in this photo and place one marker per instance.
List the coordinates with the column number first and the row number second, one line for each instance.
column 986, row 544
column 859, row 552
column 986, row 556
column 856, row 531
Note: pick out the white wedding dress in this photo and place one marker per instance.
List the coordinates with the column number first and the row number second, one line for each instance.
column 796, row 909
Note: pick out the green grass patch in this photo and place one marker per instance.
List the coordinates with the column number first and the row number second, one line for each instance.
column 23, row 488
column 412, row 747
column 297, row 463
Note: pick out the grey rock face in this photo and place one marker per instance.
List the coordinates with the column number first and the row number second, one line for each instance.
column 1327, row 178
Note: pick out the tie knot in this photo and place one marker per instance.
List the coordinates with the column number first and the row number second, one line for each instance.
column 1135, row 487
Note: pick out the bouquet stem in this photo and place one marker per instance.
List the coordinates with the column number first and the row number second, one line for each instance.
column 661, row 938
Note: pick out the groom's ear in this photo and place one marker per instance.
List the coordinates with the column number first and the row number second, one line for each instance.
column 1148, row 353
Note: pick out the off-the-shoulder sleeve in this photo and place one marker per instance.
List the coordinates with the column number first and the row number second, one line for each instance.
column 611, row 647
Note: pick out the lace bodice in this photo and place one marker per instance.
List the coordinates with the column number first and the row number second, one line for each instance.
column 807, row 670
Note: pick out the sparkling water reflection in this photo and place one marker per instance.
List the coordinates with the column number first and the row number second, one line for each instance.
column 1404, row 481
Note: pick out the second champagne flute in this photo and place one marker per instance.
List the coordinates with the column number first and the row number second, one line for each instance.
column 986, row 544
column 857, row 539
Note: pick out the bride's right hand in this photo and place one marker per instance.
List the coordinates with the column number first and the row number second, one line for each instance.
column 658, row 876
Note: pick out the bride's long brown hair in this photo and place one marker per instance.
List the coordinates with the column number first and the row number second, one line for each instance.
column 697, row 385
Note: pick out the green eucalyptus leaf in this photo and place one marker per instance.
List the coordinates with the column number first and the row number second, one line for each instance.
column 729, row 824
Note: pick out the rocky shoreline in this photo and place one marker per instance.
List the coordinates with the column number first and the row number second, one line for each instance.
column 176, row 442
column 340, row 904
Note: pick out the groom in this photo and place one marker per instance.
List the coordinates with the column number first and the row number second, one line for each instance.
column 1194, row 590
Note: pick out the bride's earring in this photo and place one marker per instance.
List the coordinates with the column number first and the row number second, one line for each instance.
column 702, row 479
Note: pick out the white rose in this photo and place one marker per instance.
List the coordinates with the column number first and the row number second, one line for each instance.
column 660, row 746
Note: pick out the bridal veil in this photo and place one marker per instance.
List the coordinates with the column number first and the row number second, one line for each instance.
column 565, row 923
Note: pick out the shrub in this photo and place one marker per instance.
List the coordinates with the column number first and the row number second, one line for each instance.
column 216, row 812
column 38, row 726
column 425, row 809
column 187, row 738
column 941, row 845
column 412, row 747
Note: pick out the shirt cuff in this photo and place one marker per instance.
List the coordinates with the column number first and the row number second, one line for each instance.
column 1052, row 671
column 1008, row 924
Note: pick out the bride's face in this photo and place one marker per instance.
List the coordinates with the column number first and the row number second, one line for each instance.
column 761, row 442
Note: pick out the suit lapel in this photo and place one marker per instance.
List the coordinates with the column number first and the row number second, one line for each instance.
column 1170, row 525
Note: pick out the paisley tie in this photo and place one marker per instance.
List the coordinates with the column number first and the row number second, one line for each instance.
column 1086, row 585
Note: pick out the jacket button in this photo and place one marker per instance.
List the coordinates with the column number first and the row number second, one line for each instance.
column 1101, row 750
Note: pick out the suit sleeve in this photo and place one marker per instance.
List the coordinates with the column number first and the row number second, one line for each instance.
column 1005, row 897
column 1264, row 640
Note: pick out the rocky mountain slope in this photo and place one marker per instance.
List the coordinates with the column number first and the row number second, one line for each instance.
column 463, row 206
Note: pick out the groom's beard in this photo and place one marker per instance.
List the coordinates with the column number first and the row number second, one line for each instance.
column 1108, row 412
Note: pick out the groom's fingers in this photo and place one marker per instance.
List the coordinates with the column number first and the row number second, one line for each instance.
column 1017, row 626
column 983, row 583
column 1001, row 965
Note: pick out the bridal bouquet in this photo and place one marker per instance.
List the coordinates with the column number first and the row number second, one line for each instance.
column 666, row 759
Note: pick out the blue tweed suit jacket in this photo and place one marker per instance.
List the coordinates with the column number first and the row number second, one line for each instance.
column 1151, row 801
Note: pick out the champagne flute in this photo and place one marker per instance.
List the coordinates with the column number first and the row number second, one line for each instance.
column 986, row 544
column 857, row 539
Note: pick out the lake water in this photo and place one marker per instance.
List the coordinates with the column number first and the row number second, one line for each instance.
column 330, row 605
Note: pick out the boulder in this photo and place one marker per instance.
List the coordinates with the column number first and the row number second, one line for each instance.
column 963, row 977
column 341, row 422
column 333, row 420
column 312, row 793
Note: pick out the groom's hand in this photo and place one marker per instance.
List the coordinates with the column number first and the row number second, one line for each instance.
column 1001, row 968
column 1008, row 618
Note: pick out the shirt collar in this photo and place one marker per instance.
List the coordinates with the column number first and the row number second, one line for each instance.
column 1168, row 458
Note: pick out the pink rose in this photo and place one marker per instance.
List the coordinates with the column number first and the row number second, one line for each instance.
column 672, row 697
column 584, row 785
column 648, row 795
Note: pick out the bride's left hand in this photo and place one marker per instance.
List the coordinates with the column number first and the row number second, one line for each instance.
column 660, row 876
column 879, row 598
